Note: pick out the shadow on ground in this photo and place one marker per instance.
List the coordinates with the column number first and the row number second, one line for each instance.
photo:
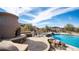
column 35, row 45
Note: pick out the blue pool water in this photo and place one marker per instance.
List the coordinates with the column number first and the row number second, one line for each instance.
column 68, row 39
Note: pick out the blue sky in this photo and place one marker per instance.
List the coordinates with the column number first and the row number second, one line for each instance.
column 42, row 16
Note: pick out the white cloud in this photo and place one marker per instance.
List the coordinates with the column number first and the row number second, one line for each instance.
column 24, row 21
column 43, row 15
column 16, row 10
column 50, row 13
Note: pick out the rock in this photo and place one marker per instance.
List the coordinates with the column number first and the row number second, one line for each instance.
column 7, row 46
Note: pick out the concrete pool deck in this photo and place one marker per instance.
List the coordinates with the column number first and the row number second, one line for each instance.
column 38, row 44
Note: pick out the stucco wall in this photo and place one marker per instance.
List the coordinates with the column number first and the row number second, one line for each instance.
column 8, row 25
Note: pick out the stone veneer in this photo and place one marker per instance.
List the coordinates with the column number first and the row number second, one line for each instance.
column 9, row 26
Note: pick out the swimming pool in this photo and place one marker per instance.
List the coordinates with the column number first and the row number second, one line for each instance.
column 68, row 39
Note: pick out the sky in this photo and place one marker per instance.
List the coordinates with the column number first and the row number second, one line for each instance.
column 42, row 16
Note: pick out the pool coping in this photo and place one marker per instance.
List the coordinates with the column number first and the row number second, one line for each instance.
column 70, row 47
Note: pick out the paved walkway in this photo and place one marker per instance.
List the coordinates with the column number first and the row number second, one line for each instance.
column 37, row 44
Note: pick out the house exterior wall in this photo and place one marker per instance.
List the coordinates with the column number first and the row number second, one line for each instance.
column 8, row 25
